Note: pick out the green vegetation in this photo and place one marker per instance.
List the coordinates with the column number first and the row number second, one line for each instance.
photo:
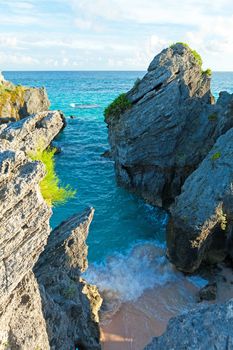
column 207, row 72
column 13, row 95
column 194, row 52
column 213, row 117
column 117, row 107
column 51, row 191
column 216, row 156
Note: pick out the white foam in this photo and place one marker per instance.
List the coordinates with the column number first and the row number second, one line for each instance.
column 127, row 276
column 83, row 106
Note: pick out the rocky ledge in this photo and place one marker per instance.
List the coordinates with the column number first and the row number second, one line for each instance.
column 17, row 102
column 206, row 328
column 172, row 145
column 44, row 302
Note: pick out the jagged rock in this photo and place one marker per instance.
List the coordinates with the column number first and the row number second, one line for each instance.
column 206, row 328
column 208, row 292
column 70, row 305
column 24, row 228
column 170, row 127
column 200, row 227
column 24, row 218
column 22, row 324
column 19, row 102
column 60, row 310
column 30, row 133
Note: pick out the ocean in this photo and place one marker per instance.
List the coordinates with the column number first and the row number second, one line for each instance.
column 126, row 239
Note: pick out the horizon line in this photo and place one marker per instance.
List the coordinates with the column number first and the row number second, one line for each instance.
column 92, row 70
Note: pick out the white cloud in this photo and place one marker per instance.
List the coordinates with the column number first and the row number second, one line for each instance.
column 111, row 34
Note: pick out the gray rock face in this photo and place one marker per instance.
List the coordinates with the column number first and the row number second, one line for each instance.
column 201, row 224
column 70, row 305
column 30, row 133
column 18, row 102
column 154, row 144
column 24, row 230
column 55, row 309
column 208, row 328
column 169, row 129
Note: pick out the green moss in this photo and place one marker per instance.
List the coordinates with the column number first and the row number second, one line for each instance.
column 196, row 55
column 117, row 107
column 213, row 117
column 207, row 72
column 216, row 156
column 179, row 43
column 50, row 188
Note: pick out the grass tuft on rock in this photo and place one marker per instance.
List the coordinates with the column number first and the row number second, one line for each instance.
column 207, row 72
column 117, row 107
column 195, row 54
column 52, row 192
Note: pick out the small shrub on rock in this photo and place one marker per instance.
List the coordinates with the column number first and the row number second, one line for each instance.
column 50, row 187
column 117, row 107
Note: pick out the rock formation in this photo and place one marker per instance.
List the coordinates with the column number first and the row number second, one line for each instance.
column 17, row 102
column 200, row 227
column 206, row 328
column 171, row 128
column 44, row 303
column 70, row 306
column 30, row 133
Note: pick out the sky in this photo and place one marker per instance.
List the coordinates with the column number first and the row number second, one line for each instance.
column 111, row 34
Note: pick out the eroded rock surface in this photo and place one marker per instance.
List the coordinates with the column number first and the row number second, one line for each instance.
column 200, row 227
column 18, row 102
column 30, row 133
column 170, row 127
column 56, row 309
column 70, row 305
column 207, row 328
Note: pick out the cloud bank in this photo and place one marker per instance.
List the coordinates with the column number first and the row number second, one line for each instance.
column 111, row 34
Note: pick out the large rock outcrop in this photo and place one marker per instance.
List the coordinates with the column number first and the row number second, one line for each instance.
column 170, row 127
column 207, row 328
column 201, row 223
column 70, row 306
column 28, row 134
column 52, row 308
column 17, row 102
column 162, row 137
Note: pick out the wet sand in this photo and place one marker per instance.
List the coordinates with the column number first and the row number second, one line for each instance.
column 136, row 323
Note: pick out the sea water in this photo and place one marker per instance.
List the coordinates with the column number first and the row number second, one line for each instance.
column 126, row 239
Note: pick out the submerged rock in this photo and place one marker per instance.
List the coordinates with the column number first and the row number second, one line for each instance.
column 18, row 102
column 208, row 292
column 206, row 328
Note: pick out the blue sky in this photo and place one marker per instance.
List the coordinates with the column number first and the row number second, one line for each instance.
column 111, row 34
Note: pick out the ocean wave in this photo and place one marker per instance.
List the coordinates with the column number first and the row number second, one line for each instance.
column 127, row 276
column 83, row 106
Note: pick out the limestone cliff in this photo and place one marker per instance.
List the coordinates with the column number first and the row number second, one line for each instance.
column 44, row 303
column 18, row 102
column 206, row 328
column 167, row 127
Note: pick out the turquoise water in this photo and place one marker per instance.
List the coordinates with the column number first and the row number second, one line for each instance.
column 121, row 219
